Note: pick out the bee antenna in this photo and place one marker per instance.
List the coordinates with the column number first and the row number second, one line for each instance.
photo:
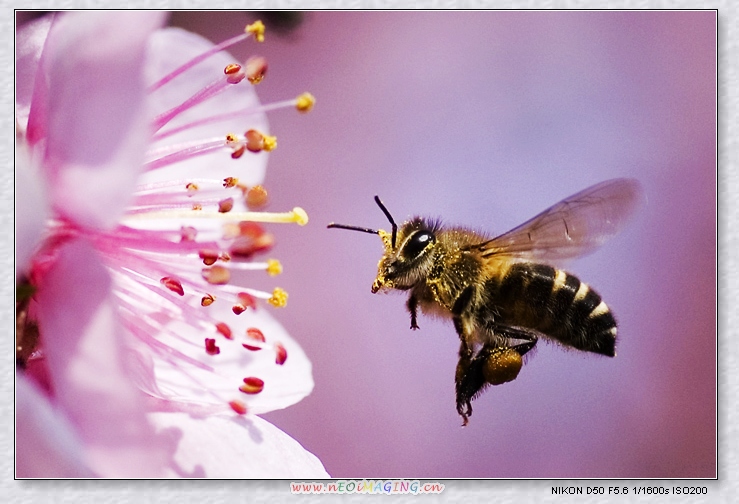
column 389, row 217
column 353, row 228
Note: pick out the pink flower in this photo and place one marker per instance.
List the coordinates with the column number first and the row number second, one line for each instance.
column 149, row 341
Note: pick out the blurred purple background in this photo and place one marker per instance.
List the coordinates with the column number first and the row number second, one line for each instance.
column 487, row 118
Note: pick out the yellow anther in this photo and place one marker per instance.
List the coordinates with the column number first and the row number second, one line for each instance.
column 273, row 267
column 232, row 140
column 304, row 103
column 279, row 298
column 269, row 143
column 300, row 216
column 256, row 29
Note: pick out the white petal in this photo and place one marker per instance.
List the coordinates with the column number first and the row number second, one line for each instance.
column 226, row 446
column 217, row 380
column 31, row 210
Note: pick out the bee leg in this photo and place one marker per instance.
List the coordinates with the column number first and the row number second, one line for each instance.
column 513, row 333
column 496, row 363
column 460, row 305
column 464, row 400
column 413, row 308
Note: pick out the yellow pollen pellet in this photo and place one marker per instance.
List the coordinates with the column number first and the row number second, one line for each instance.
column 269, row 143
column 273, row 267
column 257, row 29
column 279, row 298
column 304, row 102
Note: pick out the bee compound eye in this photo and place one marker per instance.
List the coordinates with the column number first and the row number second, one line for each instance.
column 417, row 243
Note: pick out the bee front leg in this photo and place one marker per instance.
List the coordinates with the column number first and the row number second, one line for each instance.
column 413, row 308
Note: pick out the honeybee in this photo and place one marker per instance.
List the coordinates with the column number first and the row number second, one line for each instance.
column 502, row 293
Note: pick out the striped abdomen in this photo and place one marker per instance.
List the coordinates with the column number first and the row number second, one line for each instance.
column 555, row 303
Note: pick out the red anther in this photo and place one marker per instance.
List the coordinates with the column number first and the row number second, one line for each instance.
column 216, row 275
column 188, row 233
column 225, row 205
column 223, row 328
column 244, row 301
column 209, row 256
column 256, row 69
column 252, row 385
column 207, row 300
column 254, row 140
column 281, row 354
column 256, row 197
column 254, row 334
column 252, row 229
column 234, row 73
column 251, row 240
column 230, row 181
column 173, row 284
column 224, row 256
column 210, row 347
column 238, row 407
column 247, row 300
column 192, row 188
column 238, row 152
column 232, row 69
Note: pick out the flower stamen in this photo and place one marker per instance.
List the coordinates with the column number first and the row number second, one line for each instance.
column 238, row 406
column 281, row 354
column 255, row 29
column 210, row 347
column 252, row 385
column 173, row 284
column 296, row 215
column 278, row 298
column 255, row 334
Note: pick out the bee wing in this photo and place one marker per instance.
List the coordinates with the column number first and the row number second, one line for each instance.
column 573, row 227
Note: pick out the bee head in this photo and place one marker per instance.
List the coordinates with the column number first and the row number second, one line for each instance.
column 406, row 259
column 410, row 261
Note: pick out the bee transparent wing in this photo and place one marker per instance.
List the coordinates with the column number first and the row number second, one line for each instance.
column 573, row 227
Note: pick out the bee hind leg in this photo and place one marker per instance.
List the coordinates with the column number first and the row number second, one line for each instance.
column 464, row 398
column 494, row 364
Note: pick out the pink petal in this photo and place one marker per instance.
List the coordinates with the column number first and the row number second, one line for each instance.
column 30, row 41
column 216, row 382
column 97, row 130
column 170, row 48
column 46, row 445
column 86, row 354
column 221, row 446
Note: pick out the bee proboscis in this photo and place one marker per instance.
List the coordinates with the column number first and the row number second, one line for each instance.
column 502, row 293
